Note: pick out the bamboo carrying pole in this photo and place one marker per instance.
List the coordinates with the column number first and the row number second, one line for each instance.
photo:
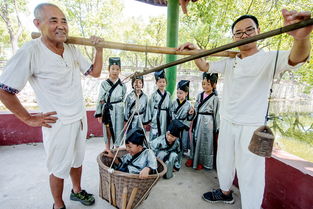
column 229, row 46
column 137, row 48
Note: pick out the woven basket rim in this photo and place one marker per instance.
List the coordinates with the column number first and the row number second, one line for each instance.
column 128, row 175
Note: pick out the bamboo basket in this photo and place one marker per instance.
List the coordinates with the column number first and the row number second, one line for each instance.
column 127, row 190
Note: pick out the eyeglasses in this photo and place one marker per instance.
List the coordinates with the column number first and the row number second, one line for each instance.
column 248, row 32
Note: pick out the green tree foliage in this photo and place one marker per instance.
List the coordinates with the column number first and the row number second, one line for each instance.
column 11, row 27
column 87, row 18
column 209, row 23
column 105, row 18
column 153, row 33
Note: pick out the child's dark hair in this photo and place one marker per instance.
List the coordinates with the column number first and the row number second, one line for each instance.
column 209, row 81
column 159, row 75
column 137, row 78
column 186, row 89
column 111, row 65
column 157, row 79
column 184, row 86
column 135, row 136
column 212, row 77
column 114, row 61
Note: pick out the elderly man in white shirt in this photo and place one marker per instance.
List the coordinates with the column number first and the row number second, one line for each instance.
column 54, row 70
column 247, row 82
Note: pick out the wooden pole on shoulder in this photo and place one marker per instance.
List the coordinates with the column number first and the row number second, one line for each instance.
column 135, row 47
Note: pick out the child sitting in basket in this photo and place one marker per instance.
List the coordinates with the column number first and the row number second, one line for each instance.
column 139, row 160
column 167, row 147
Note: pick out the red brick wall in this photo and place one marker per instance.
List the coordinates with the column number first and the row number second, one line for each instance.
column 13, row 131
column 289, row 182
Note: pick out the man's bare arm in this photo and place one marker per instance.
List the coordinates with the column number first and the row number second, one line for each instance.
column 14, row 105
column 302, row 44
column 98, row 62
column 201, row 63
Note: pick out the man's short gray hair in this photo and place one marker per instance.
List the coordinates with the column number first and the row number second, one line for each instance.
column 39, row 8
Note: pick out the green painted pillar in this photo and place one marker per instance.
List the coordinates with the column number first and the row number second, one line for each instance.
column 172, row 40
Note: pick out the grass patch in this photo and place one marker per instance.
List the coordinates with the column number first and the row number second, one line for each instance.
column 296, row 147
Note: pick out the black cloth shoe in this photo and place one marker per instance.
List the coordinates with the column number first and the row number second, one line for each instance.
column 60, row 208
column 218, row 196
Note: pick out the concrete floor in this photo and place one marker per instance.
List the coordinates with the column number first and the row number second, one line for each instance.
column 24, row 183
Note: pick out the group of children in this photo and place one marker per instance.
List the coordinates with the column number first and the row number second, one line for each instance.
column 170, row 122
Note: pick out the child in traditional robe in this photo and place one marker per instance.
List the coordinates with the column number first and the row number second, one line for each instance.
column 167, row 148
column 183, row 111
column 142, row 114
column 139, row 160
column 204, row 125
column 110, row 107
column 160, row 104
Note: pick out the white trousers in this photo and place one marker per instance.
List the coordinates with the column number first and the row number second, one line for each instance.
column 233, row 154
column 65, row 146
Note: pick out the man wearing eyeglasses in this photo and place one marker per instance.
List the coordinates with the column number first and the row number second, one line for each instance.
column 247, row 82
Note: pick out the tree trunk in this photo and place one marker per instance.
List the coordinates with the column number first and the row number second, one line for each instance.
column 14, row 35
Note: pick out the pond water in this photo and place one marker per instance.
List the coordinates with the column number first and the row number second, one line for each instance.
column 292, row 123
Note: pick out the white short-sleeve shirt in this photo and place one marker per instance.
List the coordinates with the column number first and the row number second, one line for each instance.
column 56, row 80
column 247, row 84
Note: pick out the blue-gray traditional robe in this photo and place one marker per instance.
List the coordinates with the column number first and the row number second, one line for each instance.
column 180, row 111
column 143, row 114
column 111, row 106
column 160, row 107
column 204, row 125
column 134, row 164
column 168, row 153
